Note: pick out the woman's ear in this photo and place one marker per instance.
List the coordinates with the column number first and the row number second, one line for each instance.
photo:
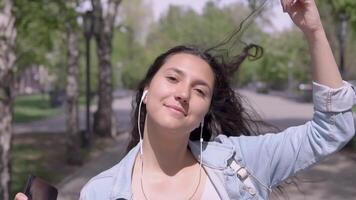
column 144, row 95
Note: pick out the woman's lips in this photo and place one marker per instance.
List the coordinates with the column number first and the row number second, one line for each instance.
column 176, row 108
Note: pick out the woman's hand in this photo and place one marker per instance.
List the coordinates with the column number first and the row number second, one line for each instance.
column 20, row 196
column 304, row 14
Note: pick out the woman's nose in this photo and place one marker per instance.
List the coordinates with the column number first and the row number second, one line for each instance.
column 182, row 94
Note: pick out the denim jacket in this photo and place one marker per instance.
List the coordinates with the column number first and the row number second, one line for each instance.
column 269, row 159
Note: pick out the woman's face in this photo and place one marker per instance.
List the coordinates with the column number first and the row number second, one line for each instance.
column 180, row 93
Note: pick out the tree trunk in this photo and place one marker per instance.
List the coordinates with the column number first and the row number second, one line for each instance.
column 7, row 61
column 103, row 32
column 72, row 92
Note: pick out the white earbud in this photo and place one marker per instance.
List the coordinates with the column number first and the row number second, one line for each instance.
column 201, row 142
column 144, row 94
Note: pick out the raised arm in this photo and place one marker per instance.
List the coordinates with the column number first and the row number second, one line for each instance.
column 272, row 158
column 305, row 15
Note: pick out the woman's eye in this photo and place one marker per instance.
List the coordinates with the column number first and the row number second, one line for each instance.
column 200, row 92
column 172, row 78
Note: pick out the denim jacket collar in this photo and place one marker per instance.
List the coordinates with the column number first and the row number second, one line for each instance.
column 218, row 152
column 124, row 174
column 219, row 155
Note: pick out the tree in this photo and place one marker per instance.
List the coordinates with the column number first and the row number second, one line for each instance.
column 135, row 19
column 181, row 25
column 282, row 59
column 103, row 33
column 72, row 87
column 72, row 97
column 7, row 62
column 339, row 19
column 214, row 25
column 343, row 7
column 48, row 34
column 40, row 36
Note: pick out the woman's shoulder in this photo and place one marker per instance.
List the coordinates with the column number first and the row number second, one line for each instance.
column 105, row 175
column 101, row 182
column 105, row 182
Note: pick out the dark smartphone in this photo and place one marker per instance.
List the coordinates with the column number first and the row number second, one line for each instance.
column 38, row 189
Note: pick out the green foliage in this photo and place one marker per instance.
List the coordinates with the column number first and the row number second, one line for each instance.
column 285, row 53
column 44, row 155
column 184, row 26
column 345, row 6
column 41, row 40
column 247, row 73
column 35, row 23
column 342, row 6
column 1, row 4
column 33, row 107
column 128, row 58
column 41, row 34
column 330, row 13
column 39, row 154
column 23, row 156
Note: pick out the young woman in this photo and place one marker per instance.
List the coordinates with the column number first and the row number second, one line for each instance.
column 186, row 140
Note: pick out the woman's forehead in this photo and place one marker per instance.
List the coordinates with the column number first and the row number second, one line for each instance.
column 189, row 65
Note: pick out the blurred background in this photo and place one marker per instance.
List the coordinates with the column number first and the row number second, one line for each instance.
column 68, row 70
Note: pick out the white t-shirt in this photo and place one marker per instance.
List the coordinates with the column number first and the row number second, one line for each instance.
column 210, row 192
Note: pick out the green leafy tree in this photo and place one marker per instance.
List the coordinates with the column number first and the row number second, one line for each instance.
column 184, row 26
column 342, row 7
column 129, row 40
column 284, row 58
column 332, row 13
column 48, row 35
column 38, row 38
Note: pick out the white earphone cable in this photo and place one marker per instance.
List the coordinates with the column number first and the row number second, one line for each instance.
column 201, row 142
column 138, row 120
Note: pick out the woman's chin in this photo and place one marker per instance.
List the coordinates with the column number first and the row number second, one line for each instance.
column 172, row 123
column 173, row 127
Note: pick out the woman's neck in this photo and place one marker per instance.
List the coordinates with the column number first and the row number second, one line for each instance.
column 165, row 152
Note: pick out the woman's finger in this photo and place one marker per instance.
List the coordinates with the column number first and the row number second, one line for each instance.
column 20, row 196
column 286, row 4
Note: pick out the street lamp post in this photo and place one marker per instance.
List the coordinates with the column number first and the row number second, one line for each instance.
column 342, row 36
column 88, row 32
column 290, row 76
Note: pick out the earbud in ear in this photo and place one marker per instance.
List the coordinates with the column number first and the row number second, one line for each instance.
column 144, row 94
column 138, row 119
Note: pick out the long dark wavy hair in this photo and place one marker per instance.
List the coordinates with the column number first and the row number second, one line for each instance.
column 227, row 114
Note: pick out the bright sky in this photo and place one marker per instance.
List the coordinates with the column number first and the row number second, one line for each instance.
column 281, row 20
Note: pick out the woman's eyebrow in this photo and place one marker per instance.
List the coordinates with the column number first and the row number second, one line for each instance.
column 178, row 71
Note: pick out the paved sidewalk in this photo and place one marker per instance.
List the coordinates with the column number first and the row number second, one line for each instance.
column 70, row 187
column 56, row 124
column 332, row 179
column 284, row 111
